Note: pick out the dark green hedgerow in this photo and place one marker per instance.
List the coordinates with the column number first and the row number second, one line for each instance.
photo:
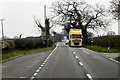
column 24, row 44
column 108, row 41
column 25, row 52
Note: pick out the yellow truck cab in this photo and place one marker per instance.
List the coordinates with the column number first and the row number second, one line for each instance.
column 75, row 37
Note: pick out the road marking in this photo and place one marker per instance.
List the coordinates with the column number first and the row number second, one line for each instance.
column 43, row 63
column 81, row 63
column 40, row 67
column 48, row 57
column 22, row 77
column 73, row 52
column 35, row 74
column 37, row 70
column 108, row 58
column 111, row 59
column 32, row 78
column 86, row 52
column 76, row 57
column 89, row 76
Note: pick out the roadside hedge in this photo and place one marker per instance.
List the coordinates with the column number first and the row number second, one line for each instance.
column 24, row 43
column 8, row 45
column 108, row 41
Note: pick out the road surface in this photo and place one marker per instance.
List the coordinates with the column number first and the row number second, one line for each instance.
column 63, row 62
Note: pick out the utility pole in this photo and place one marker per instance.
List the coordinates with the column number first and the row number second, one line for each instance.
column 2, row 28
column 45, row 17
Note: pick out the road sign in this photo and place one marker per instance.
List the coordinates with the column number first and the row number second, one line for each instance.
column 47, row 37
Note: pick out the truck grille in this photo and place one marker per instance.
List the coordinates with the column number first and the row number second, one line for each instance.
column 76, row 43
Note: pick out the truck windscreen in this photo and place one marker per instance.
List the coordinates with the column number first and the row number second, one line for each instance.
column 76, row 36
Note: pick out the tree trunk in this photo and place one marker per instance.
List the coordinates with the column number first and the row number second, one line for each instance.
column 85, row 38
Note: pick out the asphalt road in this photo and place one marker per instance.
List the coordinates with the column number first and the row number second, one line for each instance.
column 62, row 62
column 23, row 67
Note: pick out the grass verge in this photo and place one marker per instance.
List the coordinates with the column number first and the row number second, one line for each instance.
column 101, row 49
column 25, row 52
column 118, row 59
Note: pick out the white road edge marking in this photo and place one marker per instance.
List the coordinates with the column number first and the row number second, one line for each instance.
column 89, row 76
column 111, row 59
column 107, row 57
column 81, row 63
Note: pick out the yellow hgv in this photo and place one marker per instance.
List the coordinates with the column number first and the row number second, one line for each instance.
column 75, row 37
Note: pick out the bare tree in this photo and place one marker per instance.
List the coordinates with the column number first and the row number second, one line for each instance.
column 46, row 29
column 78, row 14
column 115, row 8
column 39, row 25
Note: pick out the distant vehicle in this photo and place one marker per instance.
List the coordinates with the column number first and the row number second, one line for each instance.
column 75, row 37
column 67, row 42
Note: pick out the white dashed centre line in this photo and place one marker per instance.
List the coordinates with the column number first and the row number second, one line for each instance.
column 32, row 78
column 89, row 76
column 40, row 67
column 43, row 63
column 73, row 52
column 76, row 57
column 81, row 63
column 35, row 74
column 37, row 71
column 23, row 77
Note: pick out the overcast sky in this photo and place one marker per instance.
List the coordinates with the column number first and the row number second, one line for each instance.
column 18, row 15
